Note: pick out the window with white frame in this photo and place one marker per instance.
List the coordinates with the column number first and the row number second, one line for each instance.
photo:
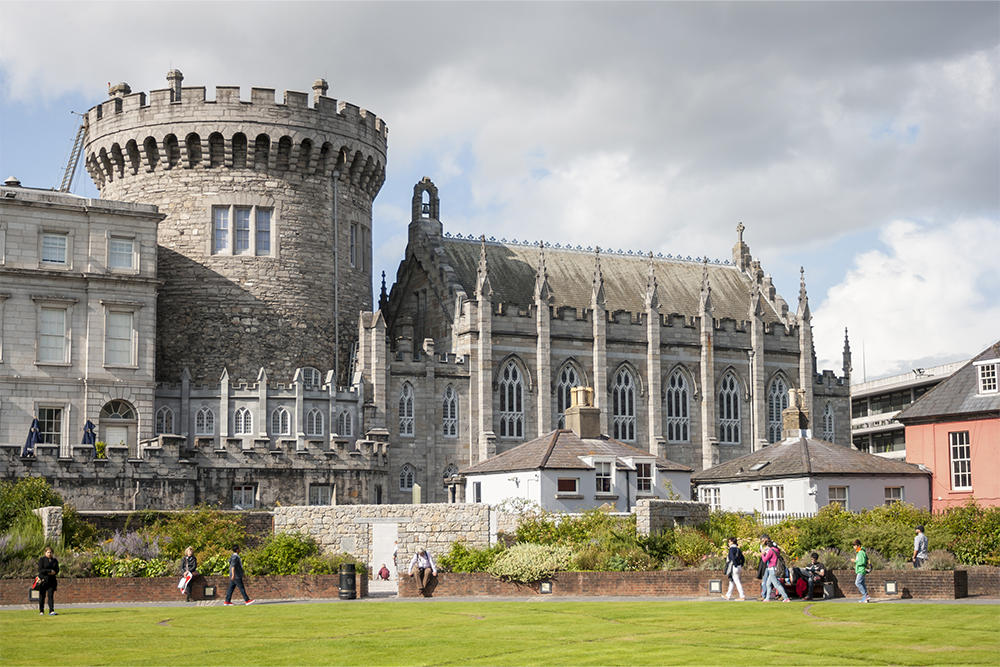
column 52, row 345
column 777, row 400
column 602, row 471
column 894, row 494
column 644, row 477
column 712, row 496
column 828, row 433
column 121, row 253
column 320, row 494
column 314, row 423
column 511, row 401
column 119, row 338
column 961, row 460
column 244, row 496
column 839, row 495
column 406, row 474
column 568, row 378
column 477, row 492
column 243, row 422
column 449, row 412
column 774, row 498
column 568, row 485
column 281, row 422
column 678, row 421
column 55, row 249
column 729, row 411
column 312, row 378
column 50, row 426
column 623, row 404
column 345, row 424
column 242, row 230
column 204, row 422
column 988, row 376
column 164, row 423
column 406, row 409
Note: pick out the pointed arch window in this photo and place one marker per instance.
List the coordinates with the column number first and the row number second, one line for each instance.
column 678, row 419
column 450, row 470
column 449, row 412
column 345, row 424
column 568, row 378
column 828, row 432
column 777, row 400
column 406, row 409
column 511, row 402
column 204, row 422
column 623, row 402
column 164, row 421
column 729, row 411
column 281, row 422
column 243, row 422
column 406, row 474
column 314, row 422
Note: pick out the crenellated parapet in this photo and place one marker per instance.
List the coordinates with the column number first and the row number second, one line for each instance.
column 132, row 133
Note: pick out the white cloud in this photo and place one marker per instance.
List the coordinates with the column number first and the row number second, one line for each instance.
column 931, row 297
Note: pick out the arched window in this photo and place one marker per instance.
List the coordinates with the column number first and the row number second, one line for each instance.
column 204, row 422
column 777, row 400
column 406, row 477
column 511, row 402
column 623, row 403
column 450, row 412
column 729, row 411
column 314, row 422
column 345, row 424
column 678, row 420
column 281, row 423
column 164, row 421
column 406, row 409
column 568, row 378
column 243, row 422
column 450, row 469
column 311, row 378
column 828, row 432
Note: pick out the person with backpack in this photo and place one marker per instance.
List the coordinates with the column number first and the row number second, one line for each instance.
column 734, row 568
column 772, row 559
column 860, row 561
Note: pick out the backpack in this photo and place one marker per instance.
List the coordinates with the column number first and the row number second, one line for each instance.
column 780, row 570
column 740, row 559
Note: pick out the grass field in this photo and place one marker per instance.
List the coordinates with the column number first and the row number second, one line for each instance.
column 507, row 633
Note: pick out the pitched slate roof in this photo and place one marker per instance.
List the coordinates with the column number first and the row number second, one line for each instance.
column 560, row 450
column 804, row 456
column 958, row 396
column 512, row 269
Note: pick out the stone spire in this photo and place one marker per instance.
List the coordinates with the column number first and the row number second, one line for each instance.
column 483, row 287
column 705, row 303
column 803, row 312
column 847, row 358
column 383, row 299
column 598, row 293
column 652, row 288
column 542, row 291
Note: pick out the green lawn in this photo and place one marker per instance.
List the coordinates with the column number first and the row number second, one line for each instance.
column 507, row 633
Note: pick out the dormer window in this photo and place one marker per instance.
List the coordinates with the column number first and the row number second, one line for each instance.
column 988, row 376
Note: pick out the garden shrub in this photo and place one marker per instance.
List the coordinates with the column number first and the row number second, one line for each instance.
column 132, row 545
column 712, row 562
column 109, row 565
column 691, row 545
column 672, row 563
column 281, row 553
column 207, row 530
column 890, row 540
column 835, row 559
column 658, row 545
column 330, row 564
column 528, row 563
column 20, row 497
column 899, row 563
column 217, row 564
column 976, row 532
column 462, row 558
column 875, row 558
column 939, row 559
column 77, row 533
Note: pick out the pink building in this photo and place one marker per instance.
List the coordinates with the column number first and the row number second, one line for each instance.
column 954, row 430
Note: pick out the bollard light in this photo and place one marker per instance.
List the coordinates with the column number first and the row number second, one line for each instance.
column 715, row 586
column 891, row 588
column 545, row 587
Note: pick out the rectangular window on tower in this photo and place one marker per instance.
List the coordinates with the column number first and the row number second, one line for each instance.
column 354, row 245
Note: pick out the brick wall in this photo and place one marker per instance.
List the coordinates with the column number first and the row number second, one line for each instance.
column 984, row 580
column 921, row 584
column 164, row 589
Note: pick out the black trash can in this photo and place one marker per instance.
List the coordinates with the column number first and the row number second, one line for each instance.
column 348, row 582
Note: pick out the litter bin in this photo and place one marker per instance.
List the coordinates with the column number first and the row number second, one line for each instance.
column 348, row 582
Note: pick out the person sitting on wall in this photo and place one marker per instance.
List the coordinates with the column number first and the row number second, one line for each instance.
column 812, row 574
column 425, row 567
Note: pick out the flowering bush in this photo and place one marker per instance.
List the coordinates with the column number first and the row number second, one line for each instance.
column 939, row 559
column 132, row 545
column 531, row 562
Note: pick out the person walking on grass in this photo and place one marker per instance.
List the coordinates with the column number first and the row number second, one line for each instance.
column 236, row 579
column 860, row 561
column 770, row 558
column 48, row 568
column 919, row 548
column 734, row 568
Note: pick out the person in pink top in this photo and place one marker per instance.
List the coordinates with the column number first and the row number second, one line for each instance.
column 770, row 557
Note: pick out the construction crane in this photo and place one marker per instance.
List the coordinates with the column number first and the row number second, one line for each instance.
column 74, row 157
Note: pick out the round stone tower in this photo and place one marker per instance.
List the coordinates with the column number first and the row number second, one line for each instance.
column 265, row 253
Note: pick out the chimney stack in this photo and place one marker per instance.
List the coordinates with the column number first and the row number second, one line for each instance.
column 795, row 418
column 581, row 416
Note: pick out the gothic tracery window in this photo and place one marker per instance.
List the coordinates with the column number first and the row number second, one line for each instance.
column 678, row 420
column 406, row 474
column 406, row 409
column 511, row 402
column 568, row 378
column 314, row 422
column 729, row 410
column 828, row 432
column 777, row 400
column 623, row 403
column 280, row 422
column 243, row 422
column 204, row 422
column 449, row 413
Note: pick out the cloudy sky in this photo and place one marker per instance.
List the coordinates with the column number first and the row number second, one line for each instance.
column 859, row 140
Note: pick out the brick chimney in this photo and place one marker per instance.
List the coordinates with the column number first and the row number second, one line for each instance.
column 795, row 418
column 581, row 416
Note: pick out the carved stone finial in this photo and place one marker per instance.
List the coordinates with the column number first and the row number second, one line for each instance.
column 739, row 230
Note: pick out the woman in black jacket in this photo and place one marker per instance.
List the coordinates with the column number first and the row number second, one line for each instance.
column 189, row 564
column 48, row 568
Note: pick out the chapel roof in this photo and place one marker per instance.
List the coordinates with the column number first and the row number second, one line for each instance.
column 560, row 450
column 570, row 272
column 958, row 396
column 801, row 456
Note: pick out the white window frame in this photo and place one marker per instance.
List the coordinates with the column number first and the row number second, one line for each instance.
column 406, row 410
column 53, row 326
column 164, row 422
column 511, row 401
column 55, row 249
column 244, row 496
column 243, row 421
column 116, row 255
column 777, row 401
column 891, row 495
column 281, row 421
column 987, row 376
column 678, row 414
column 730, row 409
column 345, row 424
column 774, row 499
column 449, row 412
column 51, row 437
column 323, row 495
column 311, row 378
column 644, row 477
column 204, row 421
column 314, row 423
column 604, row 480
column 239, row 229
column 623, row 406
column 407, row 477
column 712, row 495
column 960, row 455
column 569, row 377
column 843, row 496
column 576, row 486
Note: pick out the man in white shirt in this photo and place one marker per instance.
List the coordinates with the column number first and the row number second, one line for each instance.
column 425, row 567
